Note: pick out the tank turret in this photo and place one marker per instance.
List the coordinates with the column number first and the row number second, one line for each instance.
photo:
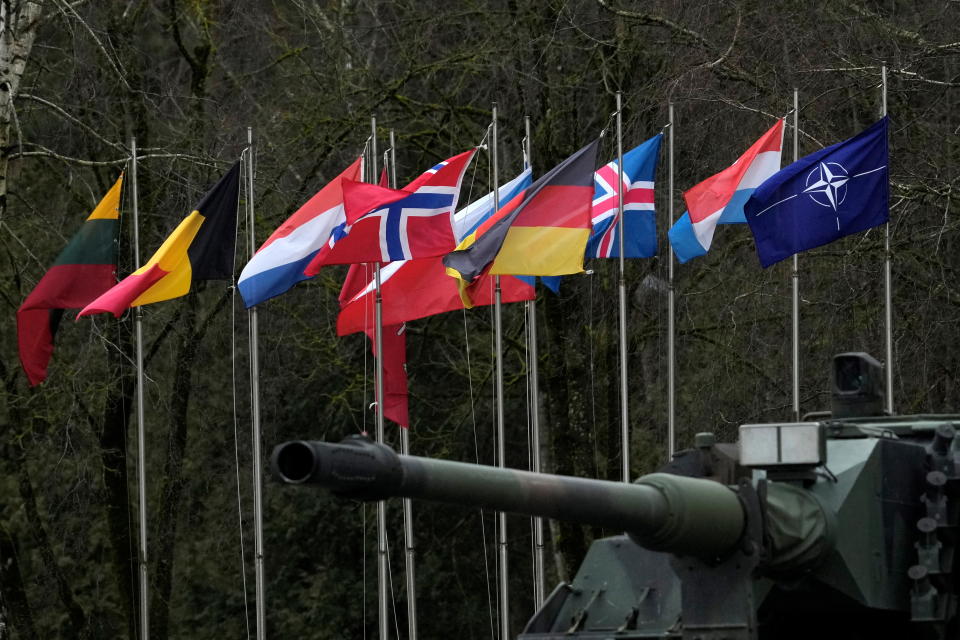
column 660, row 511
column 841, row 526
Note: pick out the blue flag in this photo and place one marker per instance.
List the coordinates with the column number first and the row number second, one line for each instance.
column 639, row 173
column 824, row 196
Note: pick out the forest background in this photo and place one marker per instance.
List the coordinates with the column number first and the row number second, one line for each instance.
column 186, row 77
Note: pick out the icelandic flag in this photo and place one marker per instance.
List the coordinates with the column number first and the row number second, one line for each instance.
column 279, row 263
column 824, row 196
column 720, row 198
column 639, row 173
column 386, row 225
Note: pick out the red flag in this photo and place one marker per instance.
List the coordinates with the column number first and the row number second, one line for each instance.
column 386, row 225
column 395, row 394
column 359, row 274
column 416, row 289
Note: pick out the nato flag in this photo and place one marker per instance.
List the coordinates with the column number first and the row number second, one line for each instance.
column 826, row 195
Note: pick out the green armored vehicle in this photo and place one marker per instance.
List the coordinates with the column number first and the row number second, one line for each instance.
column 842, row 526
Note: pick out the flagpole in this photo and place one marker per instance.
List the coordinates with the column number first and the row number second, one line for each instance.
column 538, row 546
column 378, row 398
column 501, row 447
column 409, row 548
column 624, row 401
column 796, row 277
column 141, row 430
column 671, row 320
column 887, row 276
column 255, row 414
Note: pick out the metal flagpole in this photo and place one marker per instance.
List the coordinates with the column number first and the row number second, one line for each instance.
column 671, row 320
column 538, row 546
column 887, row 277
column 501, row 447
column 378, row 397
column 796, row 278
column 255, row 415
column 624, row 400
column 409, row 548
column 141, row 430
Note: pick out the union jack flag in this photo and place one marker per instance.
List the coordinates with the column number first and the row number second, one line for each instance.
column 639, row 172
column 386, row 225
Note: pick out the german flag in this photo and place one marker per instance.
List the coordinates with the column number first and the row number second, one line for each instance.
column 85, row 268
column 543, row 231
column 200, row 248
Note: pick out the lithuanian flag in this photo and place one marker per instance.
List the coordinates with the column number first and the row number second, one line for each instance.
column 200, row 248
column 85, row 268
column 543, row 231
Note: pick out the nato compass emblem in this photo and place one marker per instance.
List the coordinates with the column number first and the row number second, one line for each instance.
column 827, row 184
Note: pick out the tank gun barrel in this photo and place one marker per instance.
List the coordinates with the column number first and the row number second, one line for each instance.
column 661, row 511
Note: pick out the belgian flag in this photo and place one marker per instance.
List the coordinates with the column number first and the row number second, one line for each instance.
column 200, row 248
column 84, row 269
column 542, row 231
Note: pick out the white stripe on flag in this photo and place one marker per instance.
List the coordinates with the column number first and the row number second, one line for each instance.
column 705, row 228
column 299, row 243
column 763, row 166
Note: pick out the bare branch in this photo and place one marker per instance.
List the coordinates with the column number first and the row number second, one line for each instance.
column 43, row 152
column 660, row 21
column 22, row 245
column 839, row 69
column 897, row 31
column 916, row 76
column 733, row 41
column 70, row 118
column 64, row 8
column 898, row 72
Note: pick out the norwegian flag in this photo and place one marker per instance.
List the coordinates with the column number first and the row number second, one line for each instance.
column 639, row 171
column 386, row 225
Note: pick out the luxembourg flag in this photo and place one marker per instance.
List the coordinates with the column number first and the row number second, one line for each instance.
column 720, row 198
column 279, row 263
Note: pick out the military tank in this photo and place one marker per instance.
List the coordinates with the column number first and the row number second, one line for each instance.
column 843, row 525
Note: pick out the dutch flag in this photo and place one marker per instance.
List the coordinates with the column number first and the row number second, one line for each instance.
column 279, row 263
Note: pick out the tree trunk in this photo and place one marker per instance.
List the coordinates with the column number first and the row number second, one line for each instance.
column 18, row 28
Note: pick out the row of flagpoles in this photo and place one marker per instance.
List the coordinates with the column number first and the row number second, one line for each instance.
column 351, row 222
